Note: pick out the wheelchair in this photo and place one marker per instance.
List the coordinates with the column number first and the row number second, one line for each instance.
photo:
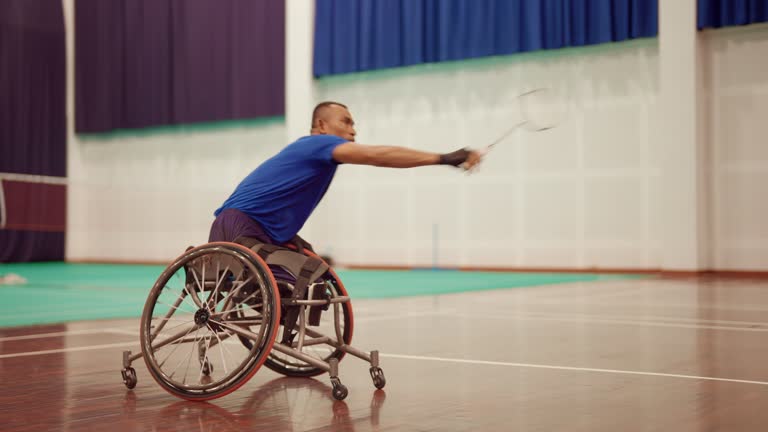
column 222, row 310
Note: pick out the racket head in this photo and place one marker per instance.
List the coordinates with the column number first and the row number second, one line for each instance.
column 543, row 108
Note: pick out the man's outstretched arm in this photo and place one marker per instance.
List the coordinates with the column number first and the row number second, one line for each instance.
column 401, row 157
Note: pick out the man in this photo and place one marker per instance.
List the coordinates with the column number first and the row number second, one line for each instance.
column 275, row 200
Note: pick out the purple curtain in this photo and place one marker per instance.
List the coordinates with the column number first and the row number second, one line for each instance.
column 143, row 63
column 32, row 130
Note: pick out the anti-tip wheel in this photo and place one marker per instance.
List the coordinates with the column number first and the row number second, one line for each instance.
column 378, row 377
column 340, row 392
column 129, row 377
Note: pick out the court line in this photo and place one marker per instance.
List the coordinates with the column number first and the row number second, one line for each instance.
column 442, row 359
column 66, row 350
column 67, row 333
column 660, row 318
column 568, row 368
column 578, row 302
column 127, row 332
column 32, row 178
column 405, row 315
column 614, row 321
column 131, row 331
column 651, row 321
column 119, row 307
column 454, row 360
column 548, row 316
column 135, row 333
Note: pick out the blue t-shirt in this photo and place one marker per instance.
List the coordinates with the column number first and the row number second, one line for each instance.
column 282, row 192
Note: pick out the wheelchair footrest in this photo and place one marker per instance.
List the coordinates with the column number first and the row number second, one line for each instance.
column 293, row 302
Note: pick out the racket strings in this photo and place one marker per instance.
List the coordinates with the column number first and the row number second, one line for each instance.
column 542, row 109
column 539, row 109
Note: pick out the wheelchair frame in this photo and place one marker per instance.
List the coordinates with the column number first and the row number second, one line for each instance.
column 231, row 321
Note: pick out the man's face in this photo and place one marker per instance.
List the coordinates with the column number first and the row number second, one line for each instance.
column 338, row 121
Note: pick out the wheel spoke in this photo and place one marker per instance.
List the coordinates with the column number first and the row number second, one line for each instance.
column 173, row 372
column 221, row 351
column 205, row 357
column 192, row 294
column 216, row 289
column 240, row 331
column 180, row 294
column 235, row 290
column 178, row 336
column 189, row 359
column 175, row 326
column 201, row 285
column 174, row 307
column 257, row 305
column 176, row 347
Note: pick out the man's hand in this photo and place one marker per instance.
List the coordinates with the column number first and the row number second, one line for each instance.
column 301, row 244
column 464, row 158
column 473, row 160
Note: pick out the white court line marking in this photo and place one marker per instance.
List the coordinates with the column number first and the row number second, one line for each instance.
column 406, row 315
column 65, row 350
column 654, row 321
column 122, row 332
column 545, row 316
column 135, row 333
column 31, row 178
column 613, row 321
column 447, row 360
column 45, row 313
column 569, row 368
column 658, row 318
column 586, row 301
column 66, row 333
column 130, row 332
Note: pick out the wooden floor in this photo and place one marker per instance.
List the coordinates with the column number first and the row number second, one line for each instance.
column 625, row 355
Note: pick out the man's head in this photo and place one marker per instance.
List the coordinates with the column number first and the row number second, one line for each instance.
column 333, row 118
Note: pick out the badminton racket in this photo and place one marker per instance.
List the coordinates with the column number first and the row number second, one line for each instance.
column 539, row 110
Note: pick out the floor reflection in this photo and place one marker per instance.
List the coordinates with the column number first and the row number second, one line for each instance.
column 281, row 404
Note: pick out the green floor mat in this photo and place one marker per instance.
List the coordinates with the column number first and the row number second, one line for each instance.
column 60, row 292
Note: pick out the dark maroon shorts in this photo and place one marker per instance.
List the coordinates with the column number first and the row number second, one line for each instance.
column 232, row 223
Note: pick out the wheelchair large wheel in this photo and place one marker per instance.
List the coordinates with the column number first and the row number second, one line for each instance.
column 208, row 295
column 290, row 366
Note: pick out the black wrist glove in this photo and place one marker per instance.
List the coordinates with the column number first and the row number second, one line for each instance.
column 301, row 244
column 454, row 158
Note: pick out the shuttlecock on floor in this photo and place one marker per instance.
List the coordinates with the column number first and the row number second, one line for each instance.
column 11, row 279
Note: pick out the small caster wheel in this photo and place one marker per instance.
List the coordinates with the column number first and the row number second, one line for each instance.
column 207, row 368
column 129, row 377
column 340, row 391
column 378, row 377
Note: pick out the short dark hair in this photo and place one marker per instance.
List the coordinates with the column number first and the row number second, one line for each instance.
column 320, row 107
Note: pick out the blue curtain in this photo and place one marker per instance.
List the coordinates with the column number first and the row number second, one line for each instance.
column 359, row 35
column 723, row 13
